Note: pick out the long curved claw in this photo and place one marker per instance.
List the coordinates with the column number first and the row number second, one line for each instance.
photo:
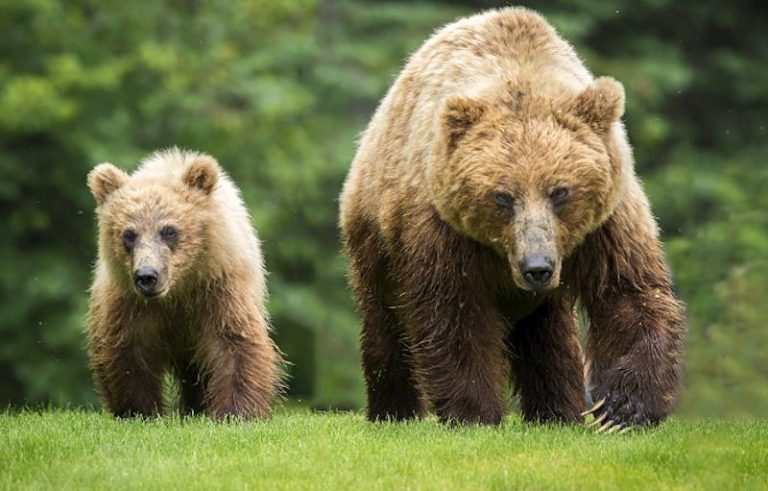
column 607, row 425
column 628, row 428
column 614, row 429
column 594, row 408
column 597, row 420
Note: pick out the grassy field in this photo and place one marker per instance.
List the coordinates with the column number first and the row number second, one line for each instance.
column 302, row 450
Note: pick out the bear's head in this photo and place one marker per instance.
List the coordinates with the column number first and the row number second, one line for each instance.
column 153, row 224
column 527, row 175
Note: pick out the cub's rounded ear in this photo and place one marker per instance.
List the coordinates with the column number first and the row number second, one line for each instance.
column 461, row 113
column 105, row 179
column 601, row 104
column 202, row 174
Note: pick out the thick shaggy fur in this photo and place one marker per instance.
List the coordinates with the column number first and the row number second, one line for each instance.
column 208, row 324
column 499, row 103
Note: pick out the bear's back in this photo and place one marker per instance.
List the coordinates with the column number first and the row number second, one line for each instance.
column 486, row 51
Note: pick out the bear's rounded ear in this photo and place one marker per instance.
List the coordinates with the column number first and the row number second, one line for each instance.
column 202, row 174
column 601, row 104
column 461, row 113
column 105, row 179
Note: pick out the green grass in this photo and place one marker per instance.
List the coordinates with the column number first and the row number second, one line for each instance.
column 302, row 450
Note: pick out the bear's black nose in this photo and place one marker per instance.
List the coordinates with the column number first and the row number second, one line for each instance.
column 537, row 270
column 146, row 280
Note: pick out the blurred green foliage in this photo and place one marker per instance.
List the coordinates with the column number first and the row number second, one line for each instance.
column 278, row 92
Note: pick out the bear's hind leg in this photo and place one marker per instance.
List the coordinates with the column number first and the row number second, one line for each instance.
column 547, row 364
column 392, row 390
column 192, row 389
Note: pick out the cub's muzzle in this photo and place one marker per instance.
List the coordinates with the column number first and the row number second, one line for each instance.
column 145, row 279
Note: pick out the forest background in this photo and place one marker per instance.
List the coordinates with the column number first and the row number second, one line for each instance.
column 279, row 91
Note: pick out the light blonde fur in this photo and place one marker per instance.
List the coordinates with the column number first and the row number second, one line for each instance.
column 209, row 320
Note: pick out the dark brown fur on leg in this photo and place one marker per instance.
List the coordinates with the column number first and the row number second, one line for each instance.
column 391, row 388
column 126, row 371
column 192, row 389
column 547, row 364
column 130, row 385
column 452, row 321
column 240, row 361
column 637, row 330
column 390, row 384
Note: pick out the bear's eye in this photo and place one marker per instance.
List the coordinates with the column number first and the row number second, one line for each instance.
column 170, row 235
column 559, row 195
column 503, row 199
column 129, row 238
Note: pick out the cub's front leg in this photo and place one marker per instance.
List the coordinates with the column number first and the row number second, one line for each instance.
column 127, row 366
column 234, row 350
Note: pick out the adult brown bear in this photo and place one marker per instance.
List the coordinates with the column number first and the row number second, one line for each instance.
column 493, row 188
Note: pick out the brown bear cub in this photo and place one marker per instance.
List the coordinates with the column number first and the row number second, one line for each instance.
column 178, row 287
column 492, row 190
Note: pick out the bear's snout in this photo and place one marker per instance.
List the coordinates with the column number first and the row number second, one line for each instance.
column 145, row 279
column 537, row 270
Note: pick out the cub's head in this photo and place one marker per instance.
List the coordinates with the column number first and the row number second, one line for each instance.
column 152, row 224
column 529, row 176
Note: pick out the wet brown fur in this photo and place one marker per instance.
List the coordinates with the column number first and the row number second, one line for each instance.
column 495, row 102
column 209, row 326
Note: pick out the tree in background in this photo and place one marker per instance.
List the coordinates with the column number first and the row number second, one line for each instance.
column 278, row 92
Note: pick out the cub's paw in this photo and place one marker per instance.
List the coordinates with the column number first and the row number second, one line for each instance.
column 619, row 413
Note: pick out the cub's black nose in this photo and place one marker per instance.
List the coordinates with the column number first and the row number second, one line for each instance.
column 537, row 270
column 146, row 280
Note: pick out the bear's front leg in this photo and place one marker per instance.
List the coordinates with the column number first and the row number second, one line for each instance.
column 547, row 363
column 454, row 327
column 637, row 331
column 238, row 358
column 392, row 390
column 127, row 368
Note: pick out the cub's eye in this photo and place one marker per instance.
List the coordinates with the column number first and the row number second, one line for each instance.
column 129, row 238
column 503, row 199
column 559, row 195
column 170, row 235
